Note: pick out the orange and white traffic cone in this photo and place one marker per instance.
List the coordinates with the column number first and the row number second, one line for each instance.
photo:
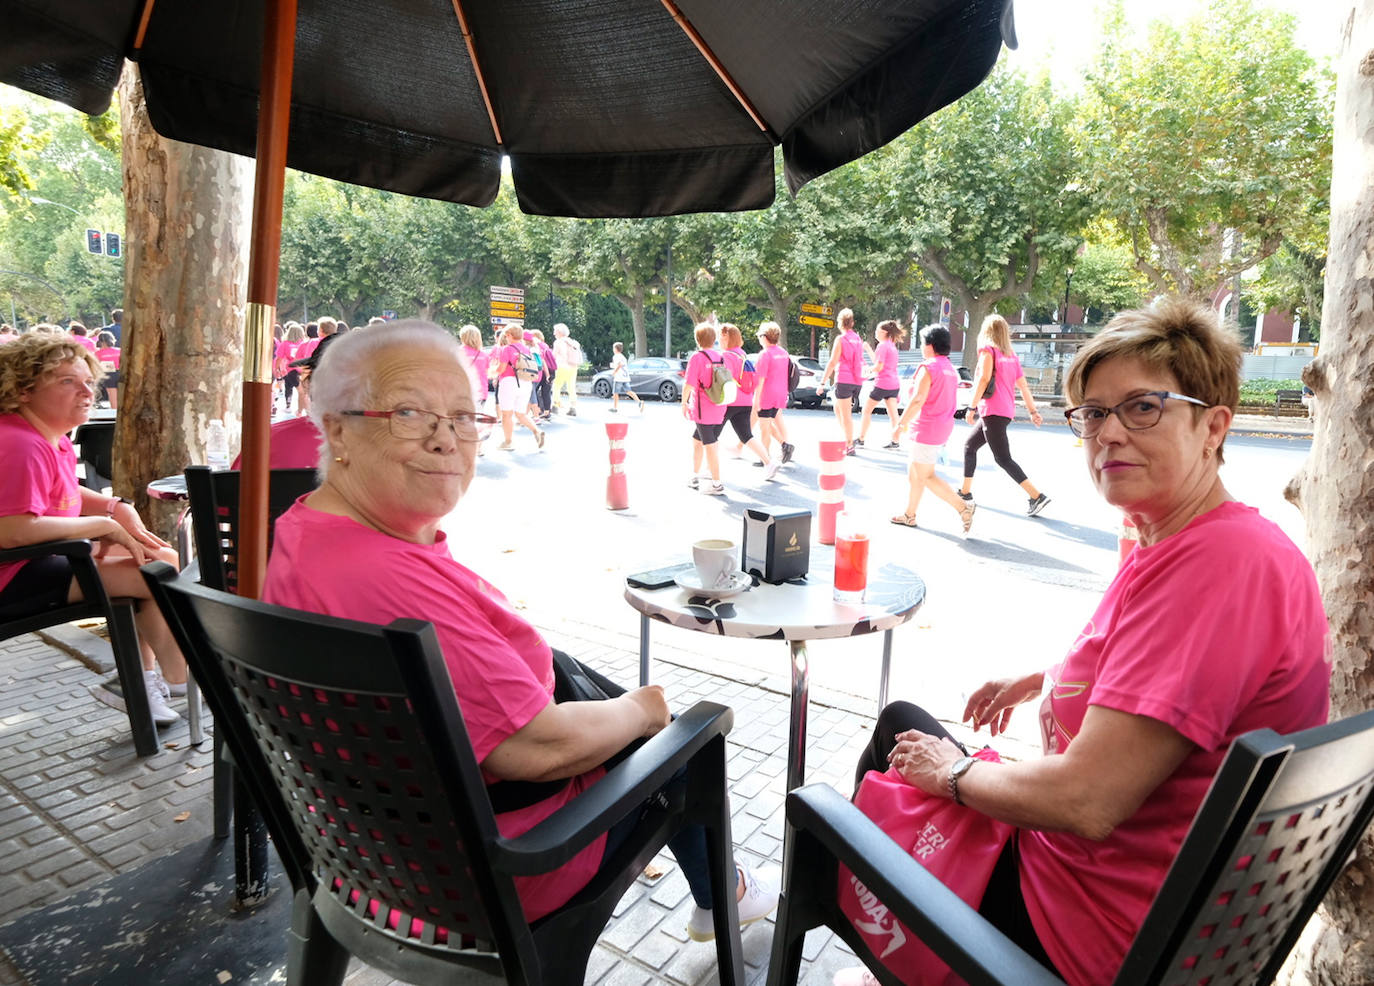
column 617, row 492
column 831, row 476
column 1126, row 539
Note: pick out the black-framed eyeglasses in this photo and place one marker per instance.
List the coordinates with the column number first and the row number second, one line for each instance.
column 1135, row 413
column 418, row 424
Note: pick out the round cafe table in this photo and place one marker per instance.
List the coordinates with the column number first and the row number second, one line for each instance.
column 795, row 611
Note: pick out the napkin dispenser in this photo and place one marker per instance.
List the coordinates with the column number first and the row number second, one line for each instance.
column 776, row 546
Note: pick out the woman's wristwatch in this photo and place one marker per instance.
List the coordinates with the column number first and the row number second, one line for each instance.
column 115, row 501
column 956, row 771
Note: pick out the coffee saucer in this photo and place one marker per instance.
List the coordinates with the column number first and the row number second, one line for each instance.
column 737, row 583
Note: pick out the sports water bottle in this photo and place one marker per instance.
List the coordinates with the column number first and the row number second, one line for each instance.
column 217, row 445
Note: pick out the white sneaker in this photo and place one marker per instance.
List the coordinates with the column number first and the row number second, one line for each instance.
column 771, row 470
column 715, row 489
column 112, row 695
column 759, row 900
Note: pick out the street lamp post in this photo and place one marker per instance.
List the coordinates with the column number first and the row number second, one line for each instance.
column 1068, row 280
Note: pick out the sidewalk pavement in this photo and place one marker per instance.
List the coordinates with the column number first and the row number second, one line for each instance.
column 78, row 808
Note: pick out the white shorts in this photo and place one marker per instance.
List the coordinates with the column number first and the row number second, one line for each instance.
column 510, row 395
column 925, row 455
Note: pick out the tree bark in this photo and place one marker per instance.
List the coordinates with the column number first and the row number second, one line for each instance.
column 1335, row 488
column 187, row 217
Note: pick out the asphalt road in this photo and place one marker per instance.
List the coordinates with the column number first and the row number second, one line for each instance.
column 1009, row 598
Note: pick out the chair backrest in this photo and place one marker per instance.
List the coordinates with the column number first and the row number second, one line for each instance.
column 1279, row 824
column 350, row 739
column 96, row 441
column 215, row 515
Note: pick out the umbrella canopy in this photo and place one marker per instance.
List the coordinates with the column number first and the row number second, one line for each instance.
column 603, row 107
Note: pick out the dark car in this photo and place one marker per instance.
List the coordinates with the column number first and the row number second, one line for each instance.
column 650, row 376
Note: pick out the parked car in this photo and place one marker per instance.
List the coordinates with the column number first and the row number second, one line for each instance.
column 906, row 388
column 650, row 376
column 804, row 394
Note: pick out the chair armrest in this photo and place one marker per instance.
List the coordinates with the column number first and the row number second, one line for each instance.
column 568, row 831
column 72, row 548
column 956, row 932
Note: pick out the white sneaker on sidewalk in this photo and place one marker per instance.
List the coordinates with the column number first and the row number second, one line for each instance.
column 759, row 900
column 112, row 695
column 771, row 470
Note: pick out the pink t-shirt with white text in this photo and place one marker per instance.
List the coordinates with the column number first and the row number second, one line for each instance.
column 851, row 366
column 502, row 669
column 772, row 367
column 1214, row 631
column 699, row 370
column 886, row 354
column 108, row 358
column 35, row 479
column 935, row 421
column 1003, row 400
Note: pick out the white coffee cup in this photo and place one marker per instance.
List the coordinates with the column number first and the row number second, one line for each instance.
column 716, row 560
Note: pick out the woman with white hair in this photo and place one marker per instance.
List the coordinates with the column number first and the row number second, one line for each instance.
column 400, row 433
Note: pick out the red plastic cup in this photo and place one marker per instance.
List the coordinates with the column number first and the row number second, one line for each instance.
column 851, row 559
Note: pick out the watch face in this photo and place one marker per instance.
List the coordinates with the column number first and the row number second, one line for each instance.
column 961, row 766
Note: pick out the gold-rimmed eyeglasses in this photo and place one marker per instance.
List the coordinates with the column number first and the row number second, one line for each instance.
column 416, row 423
column 1135, row 413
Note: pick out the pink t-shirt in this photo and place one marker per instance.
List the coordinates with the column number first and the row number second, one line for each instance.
column 284, row 354
column 936, row 420
column 306, row 348
column 1214, row 631
column 86, row 341
column 1008, row 369
column 36, row 478
column 108, row 358
column 480, row 360
column 507, row 356
column 772, row 366
column 886, row 354
column 734, row 358
column 699, row 370
column 294, row 443
column 851, row 366
column 502, row 669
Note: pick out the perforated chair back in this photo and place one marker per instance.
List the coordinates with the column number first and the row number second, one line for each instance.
column 351, row 741
column 96, row 441
column 1281, row 820
column 214, row 498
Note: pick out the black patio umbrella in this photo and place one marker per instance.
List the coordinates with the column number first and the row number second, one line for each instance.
column 602, row 107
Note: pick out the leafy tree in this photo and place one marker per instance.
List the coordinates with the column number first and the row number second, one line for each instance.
column 984, row 192
column 15, row 142
column 1209, row 143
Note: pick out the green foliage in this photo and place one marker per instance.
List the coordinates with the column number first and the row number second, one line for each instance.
column 1208, row 144
column 1261, row 392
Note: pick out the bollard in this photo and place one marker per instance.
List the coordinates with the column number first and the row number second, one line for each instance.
column 617, row 493
column 1126, row 539
column 831, row 474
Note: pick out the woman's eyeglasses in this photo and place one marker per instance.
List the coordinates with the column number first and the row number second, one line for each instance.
column 1135, row 413
column 413, row 423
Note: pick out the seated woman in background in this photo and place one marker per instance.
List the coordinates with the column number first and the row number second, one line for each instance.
column 1212, row 627
column 47, row 388
column 401, row 429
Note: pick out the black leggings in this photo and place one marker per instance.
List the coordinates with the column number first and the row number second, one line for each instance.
column 991, row 430
column 1003, row 905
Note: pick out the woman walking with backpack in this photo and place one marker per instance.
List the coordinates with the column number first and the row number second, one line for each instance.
column 703, row 404
column 998, row 366
column 740, row 413
column 513, row 392
column 773, row 388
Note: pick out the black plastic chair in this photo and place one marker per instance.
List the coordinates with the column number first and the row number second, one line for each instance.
column 119, row 617
column 350, row 738
column 96, row 441
column 214, row 504
column 1281, row 820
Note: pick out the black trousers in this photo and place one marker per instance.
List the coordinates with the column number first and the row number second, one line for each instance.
column 1003, row 906
column 992, row 431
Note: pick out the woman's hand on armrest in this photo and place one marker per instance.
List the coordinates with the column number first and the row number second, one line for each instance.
column 569, row 738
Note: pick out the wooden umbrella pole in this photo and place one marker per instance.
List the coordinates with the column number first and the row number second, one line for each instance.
column 274, row 115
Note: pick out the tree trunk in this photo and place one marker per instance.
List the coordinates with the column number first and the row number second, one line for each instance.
column 1335, row 488
column 635, row 304
column 187, row 214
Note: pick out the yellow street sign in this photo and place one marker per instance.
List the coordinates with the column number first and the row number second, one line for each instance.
column 825, row 323
column 810, row 309
column 507, row 308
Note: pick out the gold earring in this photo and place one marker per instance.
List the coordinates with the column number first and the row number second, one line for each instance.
column 338, row 458
column 1207, row 452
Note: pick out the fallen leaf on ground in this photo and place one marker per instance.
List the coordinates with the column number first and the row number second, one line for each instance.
column 653, row 871
column 182, row 817
column 170, row 746
column 224, row 975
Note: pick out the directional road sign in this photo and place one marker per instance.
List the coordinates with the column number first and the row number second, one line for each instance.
column 810, row 309
column 825, row 323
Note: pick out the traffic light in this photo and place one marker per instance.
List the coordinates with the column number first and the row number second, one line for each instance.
column 93, row 241
column 112, row 244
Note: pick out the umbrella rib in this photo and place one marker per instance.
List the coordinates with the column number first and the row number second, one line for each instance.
column 695, row 36
column 143, row 19
column 477, row 69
